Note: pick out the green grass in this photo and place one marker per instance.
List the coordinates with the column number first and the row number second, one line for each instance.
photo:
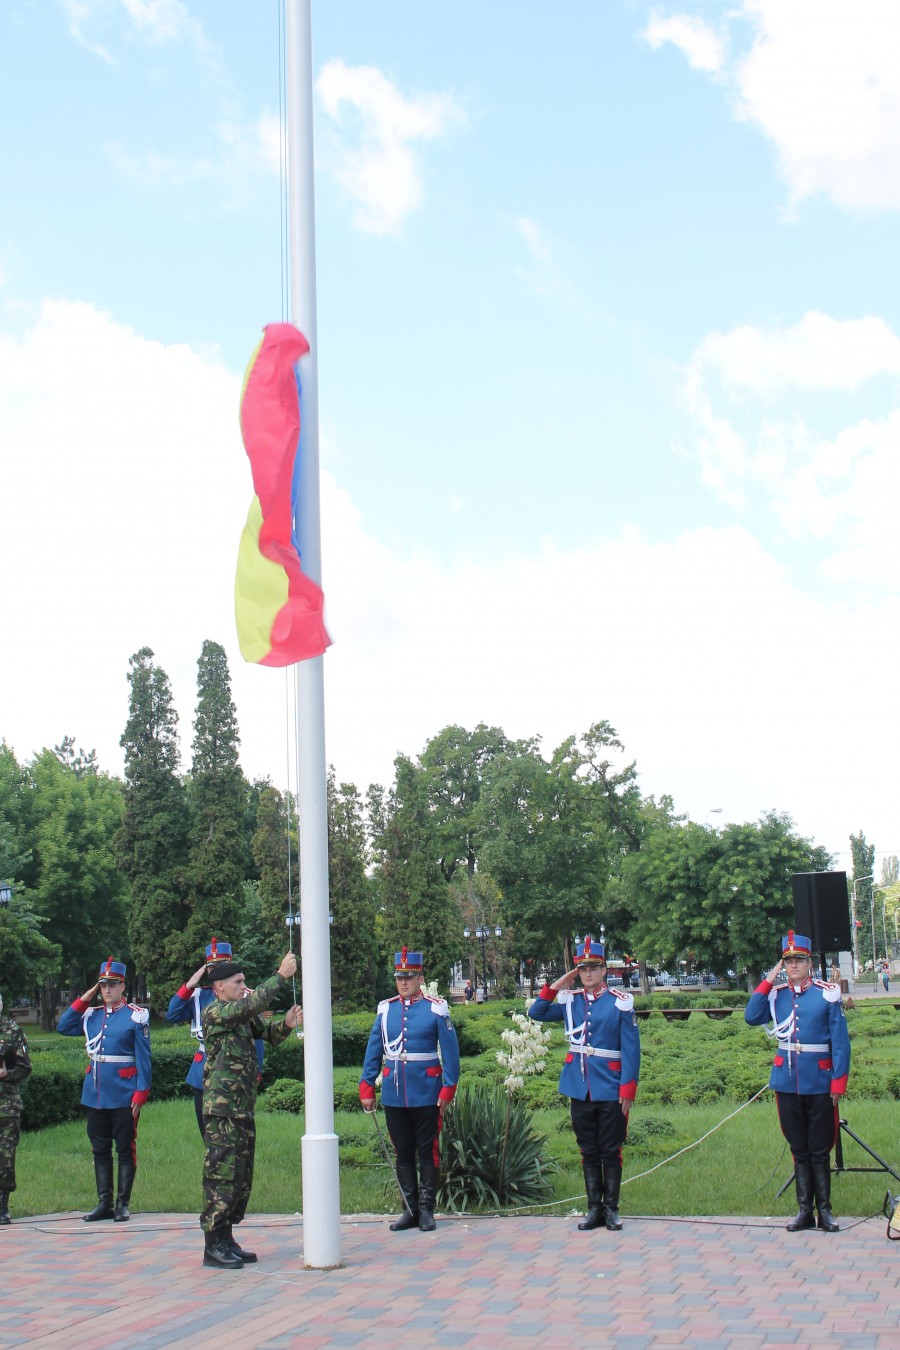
column 737, row 1171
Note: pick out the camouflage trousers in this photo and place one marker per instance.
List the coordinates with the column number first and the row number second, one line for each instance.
column 227, row 1170
column 9, row 1139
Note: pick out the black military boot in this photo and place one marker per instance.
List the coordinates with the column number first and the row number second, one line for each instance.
column 218, row 1253
column 593, row 1184
column 409, row 1186
column 103, row 1175
column 612, row 1182
column 821, row 1172
column 4, row 1208
column 127, row 1170
column 803, row 1180
column 428, row 1186
column 248, row 1258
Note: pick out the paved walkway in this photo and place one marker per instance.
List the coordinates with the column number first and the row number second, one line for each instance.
column 493, row 1283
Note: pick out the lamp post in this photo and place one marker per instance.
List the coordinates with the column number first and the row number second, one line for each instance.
column 5, row 894
column 483, row 934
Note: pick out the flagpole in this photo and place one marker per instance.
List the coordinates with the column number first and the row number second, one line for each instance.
column 321, row 1186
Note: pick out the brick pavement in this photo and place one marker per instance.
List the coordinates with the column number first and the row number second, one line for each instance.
column 499, row 1283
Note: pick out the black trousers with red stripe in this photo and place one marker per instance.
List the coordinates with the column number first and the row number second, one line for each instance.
column 809, row 1123
column 414, row 1129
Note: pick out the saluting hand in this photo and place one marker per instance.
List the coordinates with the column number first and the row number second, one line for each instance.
column 775, row 972
column 89, row 995
column 566, row 980
column 194, row 981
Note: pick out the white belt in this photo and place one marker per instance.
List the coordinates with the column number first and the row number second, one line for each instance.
column 595, row 1050
column 112, row 1059
column 407, row 1055
column 812, row 1049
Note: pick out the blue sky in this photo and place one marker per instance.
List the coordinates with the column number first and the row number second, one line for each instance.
column 608, row 357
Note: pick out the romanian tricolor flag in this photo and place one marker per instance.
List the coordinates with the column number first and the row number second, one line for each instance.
column 278, row 609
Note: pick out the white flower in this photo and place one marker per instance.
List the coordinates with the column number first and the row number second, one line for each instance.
column 525, row 1048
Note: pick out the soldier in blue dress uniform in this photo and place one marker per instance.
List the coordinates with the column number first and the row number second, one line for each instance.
column 188, row 1005
column 417, row 1083
column 600, row 1073
column 116, row 1083
column 809, row 1071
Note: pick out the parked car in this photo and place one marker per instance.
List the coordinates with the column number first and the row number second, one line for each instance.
column 614, row 981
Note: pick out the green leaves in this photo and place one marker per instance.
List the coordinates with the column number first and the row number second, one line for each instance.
column 491, row 1154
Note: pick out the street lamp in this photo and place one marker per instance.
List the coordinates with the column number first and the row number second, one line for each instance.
column 5, row 894
column 483, row 934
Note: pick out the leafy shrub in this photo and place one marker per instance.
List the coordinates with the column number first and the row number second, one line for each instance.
column 492, row 1155
column 285, row 1094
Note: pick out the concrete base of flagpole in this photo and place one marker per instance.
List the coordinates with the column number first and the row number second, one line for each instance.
column 321, row 1202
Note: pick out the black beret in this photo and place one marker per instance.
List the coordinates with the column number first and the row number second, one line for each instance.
column 223, row 970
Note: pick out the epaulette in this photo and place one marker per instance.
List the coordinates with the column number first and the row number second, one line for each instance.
column 626, row 1000
column 139, row 1014
column 385, row 1002
column 830, row 992
column 438, row 1006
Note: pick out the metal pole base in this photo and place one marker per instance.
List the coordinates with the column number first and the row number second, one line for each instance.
column 321, row 1202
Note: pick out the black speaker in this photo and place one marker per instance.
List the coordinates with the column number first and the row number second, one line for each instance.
column 822, row 910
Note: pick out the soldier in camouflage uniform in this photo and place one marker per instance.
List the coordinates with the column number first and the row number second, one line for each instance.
column 231, row 1024
column 15, row 1066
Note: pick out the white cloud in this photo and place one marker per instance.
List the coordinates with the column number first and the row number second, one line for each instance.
column 839, row 488
column 700, row 43
column 377, row 163
column 152, row 22
column 821, row 78
column 543, row 274
column 125, row 488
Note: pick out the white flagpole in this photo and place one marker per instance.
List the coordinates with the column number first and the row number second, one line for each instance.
column 321, row 1187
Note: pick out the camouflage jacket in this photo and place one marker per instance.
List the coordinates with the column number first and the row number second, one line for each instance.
column 14, row 1054
column 229, row 1032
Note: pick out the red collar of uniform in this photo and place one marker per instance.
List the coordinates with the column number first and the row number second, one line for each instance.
column 117, row 1006
column 806, row 984
column 416, row 998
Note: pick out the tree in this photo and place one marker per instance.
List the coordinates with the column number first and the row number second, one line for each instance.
column 29, row 957
column 454, row 763
column 152, row 844
column 863, row 855
column 890, row 870
column 354, row 957
column 275, row 854
column 78, row 886
column 218, row 802
column 415, row 904
column 726, row 896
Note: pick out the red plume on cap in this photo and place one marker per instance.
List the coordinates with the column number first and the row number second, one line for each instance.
column 214, row 943
column 587, row 948
column 109, row 961
column 790, row 937
column 403, row 951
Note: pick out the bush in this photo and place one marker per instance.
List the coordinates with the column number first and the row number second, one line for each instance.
column 492, row 1155
column 286, row 1094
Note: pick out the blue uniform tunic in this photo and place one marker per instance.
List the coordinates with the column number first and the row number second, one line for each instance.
column 405, row 1037
column 604, row 1059
column 187, row 1006
column 118, row 1047
column 812, row 1044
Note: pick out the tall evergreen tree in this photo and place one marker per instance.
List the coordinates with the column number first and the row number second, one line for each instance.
column 354, row 958
column 275, row 860
column 863, row 855
column 218, row 800
column 153, row 841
